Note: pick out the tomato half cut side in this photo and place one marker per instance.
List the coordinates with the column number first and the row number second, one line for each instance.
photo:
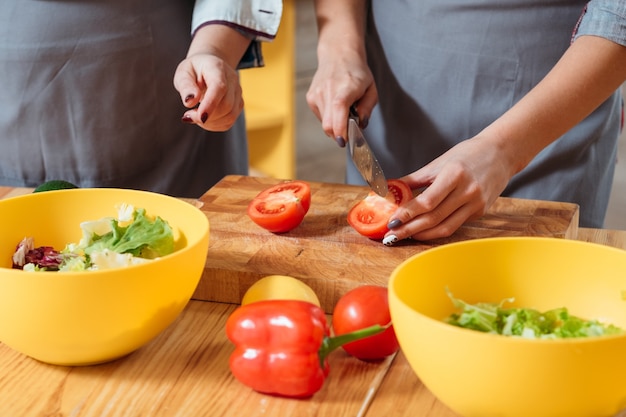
column 281, row 208
column 399, row 191
column 276, row 216
column 370, row 216
column 300, row 189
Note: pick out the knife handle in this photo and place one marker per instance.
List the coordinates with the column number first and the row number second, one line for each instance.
column 354, row 115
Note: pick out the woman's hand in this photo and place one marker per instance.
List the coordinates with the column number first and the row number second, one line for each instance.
column 343, row 77
column 337, row 84
column 460, row 185
column 207, row 80
column 210, row 88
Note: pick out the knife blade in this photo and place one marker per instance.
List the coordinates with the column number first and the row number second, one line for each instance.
column 364, row 158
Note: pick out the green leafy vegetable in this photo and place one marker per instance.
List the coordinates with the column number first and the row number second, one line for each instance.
column 54, row 185
column 525, row 322
column 142, row 237
column 129, row 239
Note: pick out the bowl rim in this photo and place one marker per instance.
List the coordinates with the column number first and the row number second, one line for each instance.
column 440, row 324
column 202, row 219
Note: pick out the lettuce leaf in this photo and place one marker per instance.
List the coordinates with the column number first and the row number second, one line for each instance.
column 141, row 237
column 130, row 239
column 525, row 322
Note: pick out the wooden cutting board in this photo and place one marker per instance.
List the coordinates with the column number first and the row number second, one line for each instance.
column 324, row 251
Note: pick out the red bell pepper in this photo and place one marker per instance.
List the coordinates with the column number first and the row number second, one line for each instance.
column 281, row 346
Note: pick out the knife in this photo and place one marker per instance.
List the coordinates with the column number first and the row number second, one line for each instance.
column 363, row 158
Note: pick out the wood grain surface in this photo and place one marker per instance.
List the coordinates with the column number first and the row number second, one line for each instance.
column 324, row 251
column 184, row 371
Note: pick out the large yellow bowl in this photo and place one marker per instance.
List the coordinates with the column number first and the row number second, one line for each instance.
column 80, row 318
column 485, row 375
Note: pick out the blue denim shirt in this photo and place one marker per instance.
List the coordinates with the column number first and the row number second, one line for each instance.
column 257, row 19
column 604, row 18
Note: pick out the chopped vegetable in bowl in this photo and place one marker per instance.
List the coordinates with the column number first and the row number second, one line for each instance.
column 526, row 322
column 106, row 243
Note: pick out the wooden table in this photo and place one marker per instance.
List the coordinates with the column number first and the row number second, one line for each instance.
column 184, row 372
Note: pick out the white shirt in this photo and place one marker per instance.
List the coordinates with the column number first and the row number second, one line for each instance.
column 258, row 18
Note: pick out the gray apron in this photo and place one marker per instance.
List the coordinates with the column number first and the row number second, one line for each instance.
column 445, row 69
column 87, row 96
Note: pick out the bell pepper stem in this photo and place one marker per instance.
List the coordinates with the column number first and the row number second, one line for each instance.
column 332, row 343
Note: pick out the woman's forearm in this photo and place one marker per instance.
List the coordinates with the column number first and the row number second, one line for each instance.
column 341, row 26
column 221, row 41
column 587, row 74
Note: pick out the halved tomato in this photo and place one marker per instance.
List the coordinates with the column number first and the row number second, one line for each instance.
column 281, row 207
column 300, row 189
column 369, row 217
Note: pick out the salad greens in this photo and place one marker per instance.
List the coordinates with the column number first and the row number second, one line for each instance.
column 129, row 239
column 525, row 322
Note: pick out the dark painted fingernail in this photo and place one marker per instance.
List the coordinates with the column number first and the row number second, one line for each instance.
column 204, row 117
column 364, row 122
column 394, row 223
column 189, row 97
column 187, row 119
column 340, row 141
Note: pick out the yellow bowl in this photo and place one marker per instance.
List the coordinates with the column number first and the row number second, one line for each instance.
column 485, row 375
column 80, row 318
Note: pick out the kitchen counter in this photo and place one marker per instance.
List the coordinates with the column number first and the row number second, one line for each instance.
column 184, row 372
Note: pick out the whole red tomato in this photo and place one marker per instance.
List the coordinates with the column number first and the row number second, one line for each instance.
column 362, row 307
column 281, row 207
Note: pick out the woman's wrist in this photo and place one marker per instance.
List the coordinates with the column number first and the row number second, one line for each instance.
column 219, row 40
